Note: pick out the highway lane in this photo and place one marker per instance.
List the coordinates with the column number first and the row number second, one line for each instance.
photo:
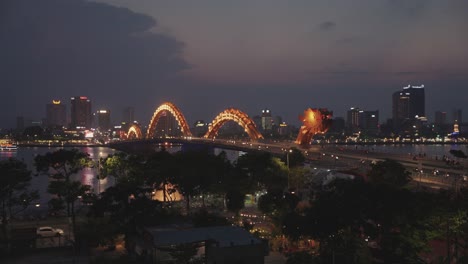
column 337, row 158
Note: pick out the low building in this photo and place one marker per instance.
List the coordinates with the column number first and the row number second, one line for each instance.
column 220, row 244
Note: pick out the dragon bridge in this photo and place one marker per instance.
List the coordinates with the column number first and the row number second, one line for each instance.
column 171, row 108
column 232, row 114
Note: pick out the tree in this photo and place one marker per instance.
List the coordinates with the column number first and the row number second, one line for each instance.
column 295, row 158
column 389, row 172
column 15, row 195
column 256, row 167
column 196, row 173
column 60, row 166
column 235, row 201
column 160, row 170
column 124, row 167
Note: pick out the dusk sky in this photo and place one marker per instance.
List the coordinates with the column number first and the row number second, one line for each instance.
column 205, row 56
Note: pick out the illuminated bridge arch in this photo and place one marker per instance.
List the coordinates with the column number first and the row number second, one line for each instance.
column 171, row 108
column 134, row 132
column 237, row 116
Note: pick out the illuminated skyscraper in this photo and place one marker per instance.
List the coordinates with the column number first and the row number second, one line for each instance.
column 81, row 112
column 363, row 121
column 103, row 118
column 56, row 114
column 267, row 120
column 128, row 115
column 369, row 122
column 408, row 104
column 353, row 119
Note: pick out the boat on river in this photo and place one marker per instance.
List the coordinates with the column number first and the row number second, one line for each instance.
column 6, row 145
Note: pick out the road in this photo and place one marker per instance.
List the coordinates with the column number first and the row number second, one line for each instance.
column 330, row 156
column 48, row 242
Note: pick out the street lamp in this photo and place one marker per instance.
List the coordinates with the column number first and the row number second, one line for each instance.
column 287, row 163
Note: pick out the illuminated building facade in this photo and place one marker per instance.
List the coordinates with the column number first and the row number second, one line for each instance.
column 363, row 121
column 104, row 119
column 267, row 120
column 56, row 114
column 369, row 122
column 408, row 105
column 352, row 120
column 81, row 112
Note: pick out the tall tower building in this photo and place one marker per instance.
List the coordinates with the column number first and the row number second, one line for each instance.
column 267, row 120
column 440, row 118
column 128, row 115
column 369, row 122
column 81, row 112
column 56, row 114
column 352, row 119
column 103, row 118
column 408, row 104
column 457, row 116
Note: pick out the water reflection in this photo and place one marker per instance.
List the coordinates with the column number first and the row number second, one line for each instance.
column 40, row 182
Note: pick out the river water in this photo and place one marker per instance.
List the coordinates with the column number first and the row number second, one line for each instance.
column 40, row 182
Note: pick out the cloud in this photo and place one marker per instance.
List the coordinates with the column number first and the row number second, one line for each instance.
column 327, row 25
column 55, row 48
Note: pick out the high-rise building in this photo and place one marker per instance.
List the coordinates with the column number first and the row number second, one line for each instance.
column 408, row 105
column 103, row 118
column 352, row 119
column 369, row 122
column 81, row 112
column 56, row 114
column 457, row 116
column 267, row 120
column 363, row 121
column 128, row 115
column 440, row 118
column 338, row 126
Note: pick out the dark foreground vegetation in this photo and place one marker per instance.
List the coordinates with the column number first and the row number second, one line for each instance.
column 378, row 218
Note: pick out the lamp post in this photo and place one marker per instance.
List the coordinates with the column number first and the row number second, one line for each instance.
column 287, row 163
column 98, row 176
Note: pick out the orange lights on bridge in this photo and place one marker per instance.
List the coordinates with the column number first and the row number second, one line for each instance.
column 134, row 132
column 314, row 121
column 241, row 118
column 171, row 108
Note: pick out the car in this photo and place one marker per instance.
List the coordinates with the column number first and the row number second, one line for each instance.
column 47, row 231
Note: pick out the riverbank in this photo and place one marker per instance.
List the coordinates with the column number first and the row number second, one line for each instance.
column 59, row 145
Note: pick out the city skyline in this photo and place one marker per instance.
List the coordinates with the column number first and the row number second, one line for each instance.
column 280, row 56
